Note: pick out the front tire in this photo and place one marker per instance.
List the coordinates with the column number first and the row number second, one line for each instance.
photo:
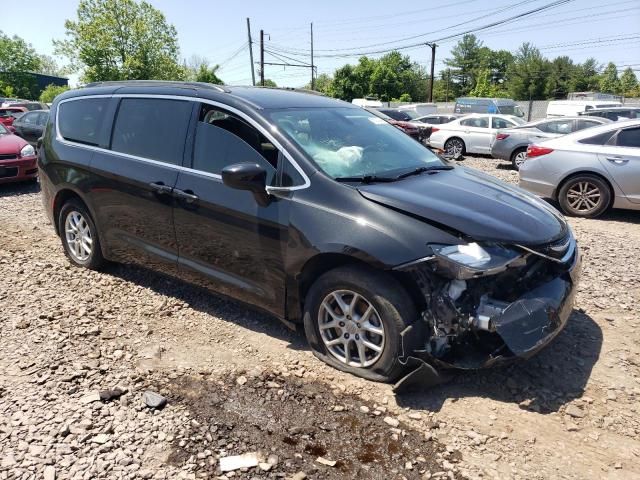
column 586, row 196
column 79, row 235
column 353, row 320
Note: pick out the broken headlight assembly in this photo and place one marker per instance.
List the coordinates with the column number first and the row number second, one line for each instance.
column 473, row 260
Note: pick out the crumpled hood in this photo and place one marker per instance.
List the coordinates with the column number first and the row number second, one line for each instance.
column 473, row 203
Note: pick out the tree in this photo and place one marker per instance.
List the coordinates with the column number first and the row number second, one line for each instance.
column 270, row 83
column 49, row 66
column 323, row 83
column 198, row 69
column 609, row 82
column 51, row 92
column 585, row 76
column 18, row 60
column 466, row 56
column 121, row 40
column 347, row 84
column 629, row 83
column 526, row 74
column 560, row 78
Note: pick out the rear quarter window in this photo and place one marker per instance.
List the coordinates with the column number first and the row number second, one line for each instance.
column 629, row 137
column 599, row 139
column 81, row 120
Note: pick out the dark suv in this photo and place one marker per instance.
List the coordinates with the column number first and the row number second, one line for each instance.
column 315, row 211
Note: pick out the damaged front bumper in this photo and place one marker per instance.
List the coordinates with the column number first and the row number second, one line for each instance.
column 489, row 331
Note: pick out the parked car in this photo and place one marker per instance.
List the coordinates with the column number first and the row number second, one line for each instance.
column 589, row 171
column 30, row 126
column 470, row 134
column 570, row 108
column 17, row 158
column 9, row 114
column 511, row 143
column 614, row 113
column 419, row 109
column 315, row 211
column 436, row 119
column 367, row 102
column 28, row 106
column 417, row 132
column 396, row 114
column 505, row 106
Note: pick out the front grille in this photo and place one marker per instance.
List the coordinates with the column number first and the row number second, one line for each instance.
column 8, row 156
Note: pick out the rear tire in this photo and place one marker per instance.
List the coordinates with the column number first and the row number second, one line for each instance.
column 353, row 318
column 455, row 147
column 518, row 157
column 79, row 235
column 586, row 196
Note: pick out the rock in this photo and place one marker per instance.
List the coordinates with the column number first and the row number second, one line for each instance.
column 574, row 411
column 273, row 460
column 22, row 324
column 325, row 461
column 100, row 439
column 241, row 380
column 235, row 462
column 90, row 398
column 364, row 409
column 106, row 395
column 154, row 400
column 338, row 408
column 9, row 461
column 408, row 466
column 298, row 476
column 393, row 422
column 49, row 473
column 415, row 416
column 264, row 466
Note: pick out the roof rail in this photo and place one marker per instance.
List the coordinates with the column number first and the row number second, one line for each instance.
column 158, row 83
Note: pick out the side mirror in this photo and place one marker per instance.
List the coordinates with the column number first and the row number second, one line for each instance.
column 245, row 176
column 11, row 129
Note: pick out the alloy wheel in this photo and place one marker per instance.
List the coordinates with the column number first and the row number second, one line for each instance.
column 519, row 159
column 78, row 236
column 454, row 147
column 584, row 197
column 351, row 328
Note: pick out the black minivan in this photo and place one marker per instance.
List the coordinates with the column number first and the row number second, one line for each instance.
column 315, row 211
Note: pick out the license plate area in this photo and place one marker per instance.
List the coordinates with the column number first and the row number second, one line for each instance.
column 6, row 172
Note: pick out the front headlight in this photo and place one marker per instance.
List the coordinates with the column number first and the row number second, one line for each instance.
column 27, row 151
column 472, row 259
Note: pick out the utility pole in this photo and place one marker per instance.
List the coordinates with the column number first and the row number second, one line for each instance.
column 253, row 73
column 446, row 98
column 313, row 80
column 262, row 57
column 433, row 66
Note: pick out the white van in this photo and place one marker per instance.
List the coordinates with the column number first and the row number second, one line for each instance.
column 420, row 109
column 367, row 102
column 571, row 108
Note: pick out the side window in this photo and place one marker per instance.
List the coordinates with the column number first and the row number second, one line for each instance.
column 481, row 122
column 223, row 139
column 29, row 119
column 81, row 120
column 152, row 128
column 290, row 176
column 629, row 137
column 501, row 123
column 561, row 127
column 468, row 122
column 42, row 118
column 582, row 124
column 4, row 112
column 599, row 139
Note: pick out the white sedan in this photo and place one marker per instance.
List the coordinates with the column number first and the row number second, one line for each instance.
column 470, row 134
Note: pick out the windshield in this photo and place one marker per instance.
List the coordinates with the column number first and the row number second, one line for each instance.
column 3, row 130
column 411, row 114
column 511, row 110
column 351, row 142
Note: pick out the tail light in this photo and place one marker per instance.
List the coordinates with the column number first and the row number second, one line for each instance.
column 502, row 136
column 536, row 151
column 434, row 129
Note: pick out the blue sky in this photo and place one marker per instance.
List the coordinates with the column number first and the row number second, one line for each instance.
column 217, row 30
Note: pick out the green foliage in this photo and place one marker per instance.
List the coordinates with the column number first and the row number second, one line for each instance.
column 17, row 60
column 323, row 83
column 386, row 78
column 629, row 83
column 51, row 92
column 527, row 73
column 405, row 97
column 466, row 56
column 560, row 78
column 585, row 76
column 7, row 90
column 609, row 82
column 121, row 40
column 198, row 69
column 270, row 83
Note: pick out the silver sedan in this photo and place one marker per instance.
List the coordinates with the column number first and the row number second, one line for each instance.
column 511, row 144
column 589, row 171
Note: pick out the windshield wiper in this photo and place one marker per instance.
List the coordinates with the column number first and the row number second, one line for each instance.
column 419, row 170
column 366, row 179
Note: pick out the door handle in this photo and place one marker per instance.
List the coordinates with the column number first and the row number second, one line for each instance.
column 188, row 196
column 160, row 188
column 618, row 160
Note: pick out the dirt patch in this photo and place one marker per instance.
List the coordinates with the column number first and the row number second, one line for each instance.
column 299, row 421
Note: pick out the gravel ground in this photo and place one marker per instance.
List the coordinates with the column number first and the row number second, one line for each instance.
column 81, row 348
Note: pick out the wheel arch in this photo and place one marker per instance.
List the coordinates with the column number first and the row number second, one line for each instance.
column 517, row 150
column 61, row 197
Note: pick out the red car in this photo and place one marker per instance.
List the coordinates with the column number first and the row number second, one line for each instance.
column 7, row 114
column 17, row 158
